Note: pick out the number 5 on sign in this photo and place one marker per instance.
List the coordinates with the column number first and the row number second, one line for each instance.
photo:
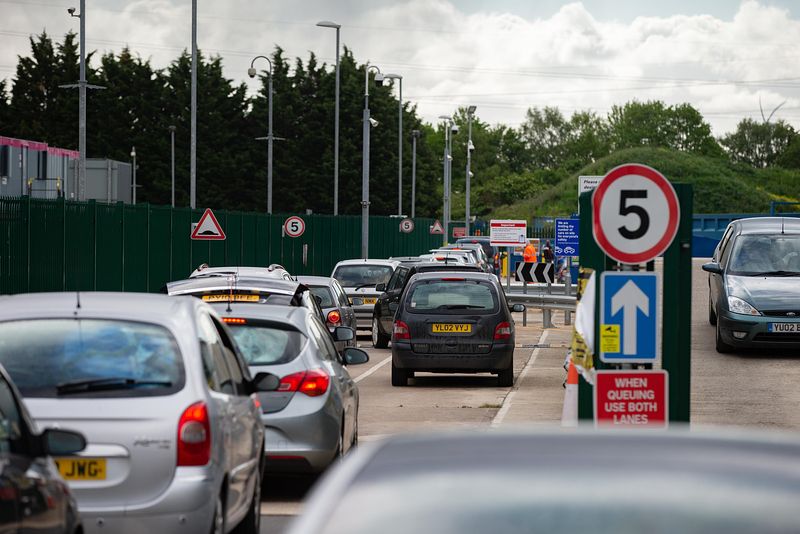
column 294, row 226
column 635, row 214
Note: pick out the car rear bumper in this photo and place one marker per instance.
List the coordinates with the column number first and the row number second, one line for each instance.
column 755, row 332
column 186, row 506
column 303, row 437
column 499, row 357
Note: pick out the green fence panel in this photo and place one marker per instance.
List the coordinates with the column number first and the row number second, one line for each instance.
column 47, row 261
column 110, row 250
column 181, row 244
column 160, row 255
column 13, row 245
column 136, row 248
column 80, row 246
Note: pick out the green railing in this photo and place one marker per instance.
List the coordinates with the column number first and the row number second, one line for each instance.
column 58, row 245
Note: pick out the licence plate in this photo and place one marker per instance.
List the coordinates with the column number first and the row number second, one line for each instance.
column 234, row 298
column 82, row 468
column 448, row 328
column 783, row 328
column 370, row 301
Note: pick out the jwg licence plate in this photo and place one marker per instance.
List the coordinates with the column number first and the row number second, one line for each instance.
column 82, row 468
column 448, row 328
column 783, row 328
column 370, row 300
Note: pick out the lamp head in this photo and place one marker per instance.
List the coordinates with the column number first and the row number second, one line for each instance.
column 251, row 72
column 373, row 122
column 71, row 11
column 379, row 77
column 471, row 109
column 328, row 24
column 454, row 128
column 470, row 146
column 416, row 134
column 133, row 152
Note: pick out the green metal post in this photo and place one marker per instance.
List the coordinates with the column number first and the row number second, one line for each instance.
column 677, row 311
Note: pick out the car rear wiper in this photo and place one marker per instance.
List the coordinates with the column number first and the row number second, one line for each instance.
column 104, row 384
column 362, row 286
column 777, row 273
column 459, row 307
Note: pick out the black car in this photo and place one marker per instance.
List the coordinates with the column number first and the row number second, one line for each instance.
column 33, row 496
column 383, row 314
column 453, row 322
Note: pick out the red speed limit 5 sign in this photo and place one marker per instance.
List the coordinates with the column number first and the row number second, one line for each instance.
column 635, row 214
column 294, row 226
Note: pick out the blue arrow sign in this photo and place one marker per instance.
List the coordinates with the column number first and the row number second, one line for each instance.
column 629, row 313
column 567, row 231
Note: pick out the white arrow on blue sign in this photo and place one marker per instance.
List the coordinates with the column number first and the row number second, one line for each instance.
column 629, row 312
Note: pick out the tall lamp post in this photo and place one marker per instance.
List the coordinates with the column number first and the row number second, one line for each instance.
column 172, row 160
column 193, row 127
column 470, row 148
column 337, row 27
column 414, row 136
column 368, row 122
column 448, row 124
column 134, row 186
column 252, row 73
column 399, row 142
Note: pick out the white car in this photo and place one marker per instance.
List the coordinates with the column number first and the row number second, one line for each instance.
column 359, row 278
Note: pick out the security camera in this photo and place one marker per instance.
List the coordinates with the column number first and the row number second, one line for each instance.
column 379, row 79
column 71, row 11
column 373, row 122
column 454, row 128
column 251, row 72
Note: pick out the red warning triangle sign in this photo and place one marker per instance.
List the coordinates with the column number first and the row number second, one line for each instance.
column 208, row 228
column 437, row 227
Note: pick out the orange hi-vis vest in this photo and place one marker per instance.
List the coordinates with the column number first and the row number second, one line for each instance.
column 529, row 254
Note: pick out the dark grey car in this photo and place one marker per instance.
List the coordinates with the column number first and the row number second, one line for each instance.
column 453, row 322
column 754, row 285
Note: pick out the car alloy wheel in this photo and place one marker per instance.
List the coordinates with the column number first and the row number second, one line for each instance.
column 379, row 340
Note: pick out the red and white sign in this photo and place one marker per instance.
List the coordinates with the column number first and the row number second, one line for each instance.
column 406, row 226
column 635, row 214
column 631, row 399
column 208, row 228
column 508, row 233
column 459, row 231
column 437, row 228
column 294, row 226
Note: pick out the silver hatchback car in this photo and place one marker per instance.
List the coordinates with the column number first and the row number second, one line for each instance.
column 159, row 389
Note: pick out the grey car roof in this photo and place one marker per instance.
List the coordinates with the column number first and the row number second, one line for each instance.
column 767, row 225
column 388, row 263
column 193, row 285
column 294, row 315
column 315, row 281
column 472, row 275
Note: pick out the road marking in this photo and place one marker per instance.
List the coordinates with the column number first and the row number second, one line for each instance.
column 374, row 368
column 501, row 413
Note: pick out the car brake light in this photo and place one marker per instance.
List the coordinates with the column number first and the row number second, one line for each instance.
column 453, row 279
column 502, row 331
column 334, row 317
column 194, row 436
column 313, row 382
column 400, row 330
column 234, row 320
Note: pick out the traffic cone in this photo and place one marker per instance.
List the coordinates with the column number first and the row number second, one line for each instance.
column 569, row 414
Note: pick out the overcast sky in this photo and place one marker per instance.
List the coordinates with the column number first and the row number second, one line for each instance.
column 722, row 56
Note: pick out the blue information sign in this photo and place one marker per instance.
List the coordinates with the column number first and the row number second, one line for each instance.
column 629, row 311
column 567, row 231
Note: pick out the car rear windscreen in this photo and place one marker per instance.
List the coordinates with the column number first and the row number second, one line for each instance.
column 324, row 295
column 264, row 343
column 452, row 296
column 363, row 275
column 90, row 357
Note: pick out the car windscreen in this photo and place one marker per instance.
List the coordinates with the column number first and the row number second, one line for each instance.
column 766, row 255
column 90, row 358
column 267, row 343
column 452, row 295
column 363, row 275
column 323, row 293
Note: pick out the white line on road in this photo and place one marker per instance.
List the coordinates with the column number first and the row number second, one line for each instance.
column 501, row 413
column 374, row 368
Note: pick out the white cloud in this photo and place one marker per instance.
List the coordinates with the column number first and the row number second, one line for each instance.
column 499, row 61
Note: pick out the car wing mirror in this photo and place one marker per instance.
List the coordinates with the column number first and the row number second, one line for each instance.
column 712, row 267
column 354, row 356
column 266, row 382
column 343, row 333
column 518, row 308
column 57, row 442
column 380, row 287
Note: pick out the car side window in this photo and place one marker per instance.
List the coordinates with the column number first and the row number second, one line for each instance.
column 216, row 370
column 723, row 244
column 341, row 297
column 10, row 419
column 726, row 250
column 399, row 278
column 322, row 340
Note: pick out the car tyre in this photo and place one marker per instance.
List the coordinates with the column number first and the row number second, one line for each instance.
column 505, row 378
column 379, row 339
column 251, row 524
column 218, row 520
column 721, row 346
column 399, row 376
column 712, row 317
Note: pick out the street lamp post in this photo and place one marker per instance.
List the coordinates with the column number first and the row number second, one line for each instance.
column 329, row 24
column 172, row 160
column 252, row 73
column 133, row 195
column 368, row 122
column 193, row 129
column 414, row 136
column 470, row 148
column 399, row 142
column 448, row 123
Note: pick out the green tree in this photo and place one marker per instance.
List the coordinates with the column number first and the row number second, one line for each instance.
column 759, row 144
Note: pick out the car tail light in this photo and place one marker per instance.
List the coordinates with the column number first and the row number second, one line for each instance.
column 194, row 436
column 400, row 330
column 502, row 331
column 313, row 382
column 453, row 279
column 234, row 320
column 334, row 317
